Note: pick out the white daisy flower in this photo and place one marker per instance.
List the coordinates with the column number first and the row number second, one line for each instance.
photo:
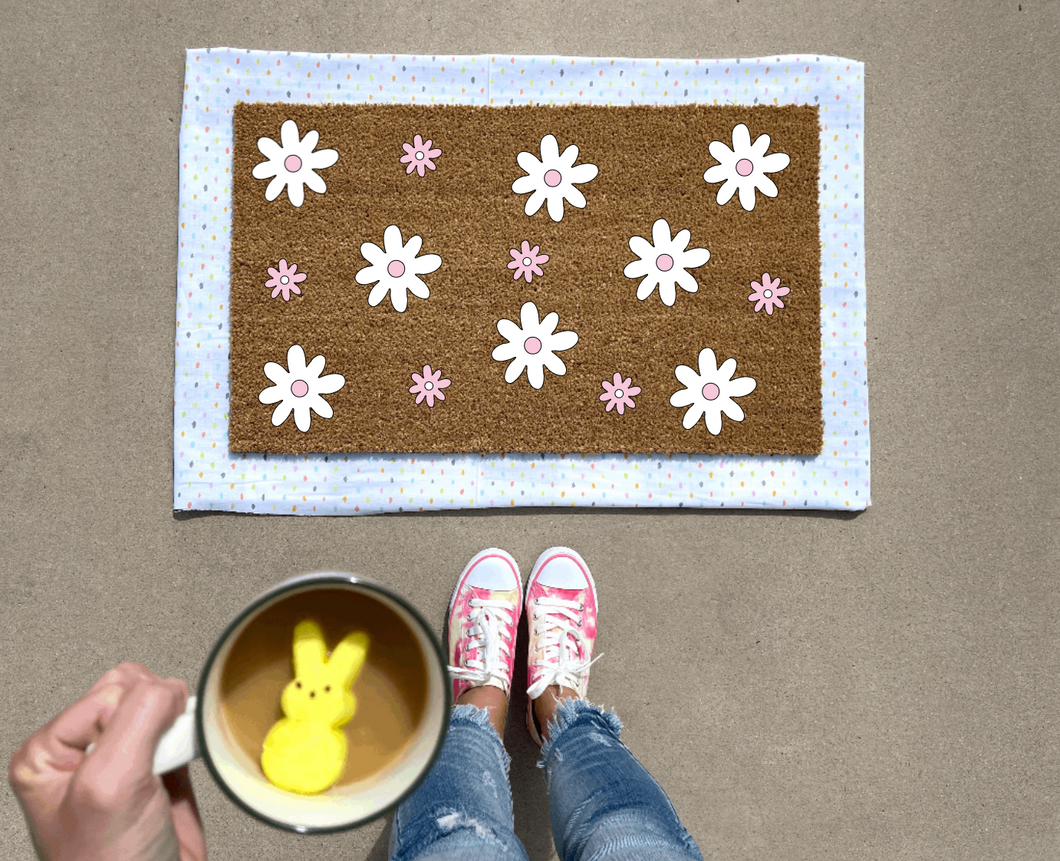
column 533, row 346
column 665, row 263
column 396, row 267
column 292, row 163
column 710, row 391
column 552, row 178
column 744, row 167
column 299, row 388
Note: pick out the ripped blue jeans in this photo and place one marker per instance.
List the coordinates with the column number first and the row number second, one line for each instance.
column 603, row 803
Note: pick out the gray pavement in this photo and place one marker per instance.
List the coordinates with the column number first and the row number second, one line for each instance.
column 804, row 686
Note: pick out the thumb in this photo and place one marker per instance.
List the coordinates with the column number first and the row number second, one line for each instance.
column 125, row 752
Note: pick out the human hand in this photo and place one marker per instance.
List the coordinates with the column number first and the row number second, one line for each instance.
column 107, row 805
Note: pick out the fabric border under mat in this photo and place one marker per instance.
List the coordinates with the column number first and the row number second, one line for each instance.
column 208, row 477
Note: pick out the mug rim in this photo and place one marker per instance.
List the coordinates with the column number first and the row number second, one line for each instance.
column 289, row 585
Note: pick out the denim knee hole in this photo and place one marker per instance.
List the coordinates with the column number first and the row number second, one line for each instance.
column 567, row 712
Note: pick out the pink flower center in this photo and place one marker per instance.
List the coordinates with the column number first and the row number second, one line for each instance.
column 427, row 386
column 619, row 393
column 744, row 167
column 768, row 294
column 396, row 269
column 299, row 388
column 293, row 163
column 419, row 156
column 665, row 262
column 527, row 261
column 711, row 392
column 553, row 178
column 532, row 346
column 284, row 279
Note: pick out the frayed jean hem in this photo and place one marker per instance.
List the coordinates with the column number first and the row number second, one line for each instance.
column 463, row 809
column 468, row 714
column 567, row 712
column 603, row 804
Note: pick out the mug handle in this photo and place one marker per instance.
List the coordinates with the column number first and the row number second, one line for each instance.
column 177, row 746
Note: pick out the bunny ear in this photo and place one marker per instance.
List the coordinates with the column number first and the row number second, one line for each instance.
column 309, row 651
column 348, row 658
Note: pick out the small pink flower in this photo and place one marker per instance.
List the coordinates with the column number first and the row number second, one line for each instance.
column 429, row 386
column 528, row 261
column 285, row 281
column 768, row 294
column 418, row 155
column 619, row 393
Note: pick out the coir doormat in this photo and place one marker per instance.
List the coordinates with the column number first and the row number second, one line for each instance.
column 411, row 278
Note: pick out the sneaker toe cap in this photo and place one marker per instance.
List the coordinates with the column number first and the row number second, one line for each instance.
column 493, row 572
column 562, row 571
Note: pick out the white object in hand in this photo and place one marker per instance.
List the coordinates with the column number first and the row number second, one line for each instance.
column 177, row 746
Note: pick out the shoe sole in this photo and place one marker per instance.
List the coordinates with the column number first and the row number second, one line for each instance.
column 491, row 551
column 531, row 723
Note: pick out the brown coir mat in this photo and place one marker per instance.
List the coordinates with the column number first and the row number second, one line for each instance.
column 678, row 309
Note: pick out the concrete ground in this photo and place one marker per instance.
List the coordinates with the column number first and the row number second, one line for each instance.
column 879, row 686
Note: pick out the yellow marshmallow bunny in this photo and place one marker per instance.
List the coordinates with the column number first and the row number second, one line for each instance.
column 305, row 752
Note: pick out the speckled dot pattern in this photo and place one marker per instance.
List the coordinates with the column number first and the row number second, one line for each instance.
column 208, row 477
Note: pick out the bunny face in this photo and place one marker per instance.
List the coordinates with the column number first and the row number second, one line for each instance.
column 320, row 691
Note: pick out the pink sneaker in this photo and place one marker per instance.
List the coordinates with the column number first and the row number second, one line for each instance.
column 561, row 610
column 483, row 621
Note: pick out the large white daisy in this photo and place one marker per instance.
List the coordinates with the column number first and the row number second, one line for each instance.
column 552, row 178
column 533, row 346
column 744, row 167
column 396, row 267
column 299, row 388
column 710, row 391
column 292, row 163
column 665, row 263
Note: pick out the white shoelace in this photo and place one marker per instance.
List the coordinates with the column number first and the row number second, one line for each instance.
column 487, row 638
column 557, row 661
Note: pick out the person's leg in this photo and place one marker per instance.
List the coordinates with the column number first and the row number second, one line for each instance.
column 493, row 701
column 603, row 803
column 463, row 809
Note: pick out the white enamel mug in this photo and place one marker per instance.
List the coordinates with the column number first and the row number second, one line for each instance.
column 202, row 730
